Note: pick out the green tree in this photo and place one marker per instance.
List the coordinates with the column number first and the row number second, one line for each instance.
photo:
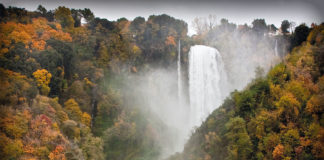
column 288, row 107
column 78, row 92
column 103, row 55
column 245, row 103
column 298, row 90
column 259, row 26
column 41, row 9
column 278, row 74
column 64, row 17
column 285, row 26
column 300, row 35
column 87, row 14
column 138, row 25
column 272, row 28
column 76, row 15
column 240, row 146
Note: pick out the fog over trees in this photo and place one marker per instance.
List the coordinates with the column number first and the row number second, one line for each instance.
column 76, row 86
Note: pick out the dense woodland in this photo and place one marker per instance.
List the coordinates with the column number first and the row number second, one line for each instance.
column 59, row 96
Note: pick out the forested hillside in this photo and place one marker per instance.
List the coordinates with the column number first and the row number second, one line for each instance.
column 277, row 116
column 57, row 99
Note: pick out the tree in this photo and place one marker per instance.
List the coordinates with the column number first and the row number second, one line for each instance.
column 278, row 74
column 315, row 104
column 103, row 23
column 212, row 21
column 15, row 126
column 240, row 145
column 226, row 26
column 200, row 25
column 213, row 144
column 292, row 25
column 272, row 28
column 92, row 147
column 73, row 110
column 224, row 22
column 203, row 24
column 70, row 129
column 288, row 106
column 259, row 72
column 103, row 55
column 284, row 26
column 108, row 110
column 319, row 58
column 78, row 92
column 300, row 35
column 245, row 103
column 77, row 15
column 137, row 24
column 43, row 78
column 278, row 152
column 64, row 17
column 86, row 119
column 137, row 27
column 3, row 11
column 87, row 14
column 270, row 142
column 136, row 51
column 41, row 9
column 15, row 86
column 170, row 41
column 66, row 52
column 314, row 35
column 13, row 149
column 259, row 26
column 57, row 154
column 115, row 138
column 298, row 90
column 291, row 138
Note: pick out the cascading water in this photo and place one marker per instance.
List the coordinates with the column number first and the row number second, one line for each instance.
column 276, row 49
column 179, row 76
column 207, row 82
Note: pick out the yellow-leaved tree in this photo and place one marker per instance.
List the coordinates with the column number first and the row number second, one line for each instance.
column 73, row 110
column 86, row 119
column 43, row 78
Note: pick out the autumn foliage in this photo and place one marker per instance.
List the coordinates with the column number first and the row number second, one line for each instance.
column 43, row 78
column 58, row 96
column 33, row 35
column 278, row 116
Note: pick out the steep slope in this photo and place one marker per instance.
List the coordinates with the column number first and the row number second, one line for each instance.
column 278, row 116
column 58, row 98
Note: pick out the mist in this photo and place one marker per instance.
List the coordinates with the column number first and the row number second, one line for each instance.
column 155, row 94
column 148, row 80
column 154, row 91
column 243, row 51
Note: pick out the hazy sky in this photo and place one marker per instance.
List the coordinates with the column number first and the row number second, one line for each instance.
column 237, row 11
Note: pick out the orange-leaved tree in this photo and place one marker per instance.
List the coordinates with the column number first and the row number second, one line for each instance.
column 33, row 35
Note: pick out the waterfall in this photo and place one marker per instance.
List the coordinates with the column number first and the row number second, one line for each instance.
column 207, row 82
column 276, row 49
column 179, row 76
